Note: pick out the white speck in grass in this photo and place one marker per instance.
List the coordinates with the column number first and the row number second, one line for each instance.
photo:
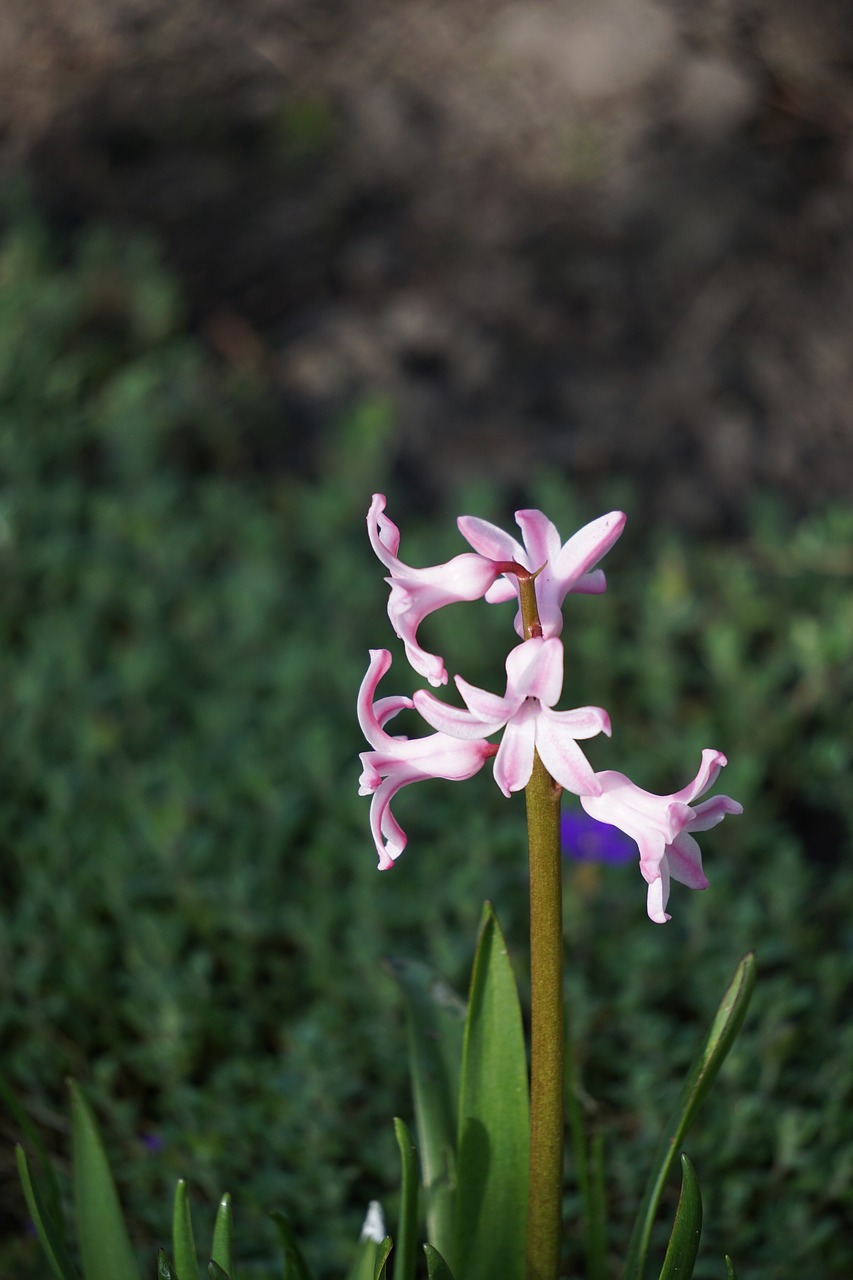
column 374, row 1223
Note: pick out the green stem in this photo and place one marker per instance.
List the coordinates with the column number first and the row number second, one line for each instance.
column 544, row 1212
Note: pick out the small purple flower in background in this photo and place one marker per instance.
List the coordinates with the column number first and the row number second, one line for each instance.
column 588, row 840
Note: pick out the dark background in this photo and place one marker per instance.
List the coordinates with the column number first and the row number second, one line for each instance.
column 611, row 237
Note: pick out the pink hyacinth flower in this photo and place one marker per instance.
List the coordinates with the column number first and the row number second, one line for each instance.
column 415, row 593
column 662, row 826
column 395, row 762
column 567, row 567
column 534, row 681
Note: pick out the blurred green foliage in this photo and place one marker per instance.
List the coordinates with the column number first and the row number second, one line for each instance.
column 191, row 921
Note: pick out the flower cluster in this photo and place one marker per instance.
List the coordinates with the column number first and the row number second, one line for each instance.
column 525, row 715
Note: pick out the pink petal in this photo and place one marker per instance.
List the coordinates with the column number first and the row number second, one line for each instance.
column 371, row 727
column 388, row 836
column 383, row 533
column 386, row 708
column 710, row 812
column 652, row 846
column 591, row 584
column 454, row 721
column 514, row 761
column 420, row 758
column 541, row 539
column 454, row 759
column 586, row 547
column 534, row 669
column 489, row 540
column 490, row 708
column 502, row 589
column 711, row 764
column 582, row 722
column 563, row 758
column 630, row 803
column 685, row 862
column 658, row 896
column 678, row 816
column 416, row 593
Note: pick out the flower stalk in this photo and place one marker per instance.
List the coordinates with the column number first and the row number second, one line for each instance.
column 542, row 794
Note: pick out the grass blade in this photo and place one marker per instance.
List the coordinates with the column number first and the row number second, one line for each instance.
column 105, row 1248
column 407, row 1224
column 220, row 1250
column 48, row 1188
column 295, row 1265
column 50, row 1237
column 165, row 1270
column 686, row 1230
column 723, row 1032
column 183, row 1241
column 436, row 1019
column 494, row 1120
column 380, row 1271
column 730, row 1269
column 437, row 1268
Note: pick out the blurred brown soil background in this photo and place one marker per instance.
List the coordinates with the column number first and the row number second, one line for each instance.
column 610, row 236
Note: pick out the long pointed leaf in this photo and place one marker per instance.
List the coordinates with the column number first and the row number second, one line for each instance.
column 437, row 1268
column 364, row 1265
column 723, row 1032
column 383, row 1253
column 686, row 1230
column 730, row 1269
column 435, row 1020
column 183, row 1242
column 50, row 1237
column 48, row 1188
column 295, row 1264
column 165, row 1269
column 407, row 1223
column 105, row 1248
column 494, row 1120
column 220, row 1250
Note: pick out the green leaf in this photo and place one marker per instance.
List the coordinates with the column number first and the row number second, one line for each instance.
column 686, row 1230
column 407, row 1223
column 183, row 1241
column 435, row 1021
column 437, row 1268
column 730, row 1269
column 494, row 1120
column 382, row 1255
column 50, row 1237
column 295, row 1265
column 220, row 1250
column 105, row 1248
column 215, row 1272
column 48, row 1189
column 165, row 1270
column 364, row 1264
column 723, row 1032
